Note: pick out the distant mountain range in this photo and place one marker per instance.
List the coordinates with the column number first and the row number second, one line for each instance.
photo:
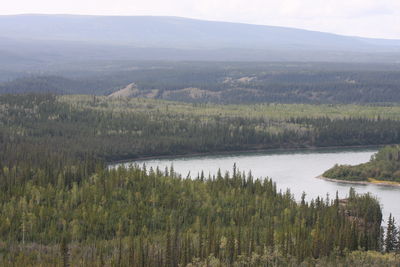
column 30, row 40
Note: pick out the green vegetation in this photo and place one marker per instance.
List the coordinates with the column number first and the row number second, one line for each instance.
column 55, row 85
column 115, row 129
column 220, row 82
column 147, row 218
column 383, row 166
column 274, row 111
column 61, row 205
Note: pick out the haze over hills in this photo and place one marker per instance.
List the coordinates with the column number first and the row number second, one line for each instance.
column 39, row 39
column 70, row 54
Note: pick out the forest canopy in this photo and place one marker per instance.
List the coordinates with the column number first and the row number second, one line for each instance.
column 217, row 82
column 60, row 204
column 383, row 166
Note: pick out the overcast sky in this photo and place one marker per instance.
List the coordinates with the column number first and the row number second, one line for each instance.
column 368, row 18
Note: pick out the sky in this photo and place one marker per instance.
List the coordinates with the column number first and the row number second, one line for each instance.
column 366, row 18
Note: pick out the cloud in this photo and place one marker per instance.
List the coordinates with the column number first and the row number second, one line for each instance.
column 370, row 18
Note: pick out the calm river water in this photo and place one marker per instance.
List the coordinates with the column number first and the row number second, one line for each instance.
column 296, row 170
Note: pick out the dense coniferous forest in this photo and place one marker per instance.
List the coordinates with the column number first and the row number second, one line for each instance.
column 134, row 217
column 61, row 205
column 383, row 166
column 117, row 129
column 218, row 82
column 55, row 85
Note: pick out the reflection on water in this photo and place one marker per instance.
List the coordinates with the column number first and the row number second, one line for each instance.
column 296, row 170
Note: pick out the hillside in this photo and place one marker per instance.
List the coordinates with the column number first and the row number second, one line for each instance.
column 120, row 128
column 55, row 85
column 222, row 82
column 51, row 38
column 175, row 32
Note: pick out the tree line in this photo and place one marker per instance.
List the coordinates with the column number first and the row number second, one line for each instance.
column 119, row 129
column 383, row 166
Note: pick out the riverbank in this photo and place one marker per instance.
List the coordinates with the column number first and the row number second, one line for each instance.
column 369, row 182
column 245, row 151
column 295, row 171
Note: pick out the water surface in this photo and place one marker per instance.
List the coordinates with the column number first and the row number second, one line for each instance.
column 296, row 170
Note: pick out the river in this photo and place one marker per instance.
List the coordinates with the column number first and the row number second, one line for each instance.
column 296, row 170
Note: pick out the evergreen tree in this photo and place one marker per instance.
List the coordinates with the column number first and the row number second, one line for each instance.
column 391, row 235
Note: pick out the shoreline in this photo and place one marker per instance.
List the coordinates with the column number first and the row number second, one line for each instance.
column 272, row 150
column 377, row 182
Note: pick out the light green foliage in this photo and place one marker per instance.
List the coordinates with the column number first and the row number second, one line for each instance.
column 383, row 166
column 174, row 220
column 115, row 129
column 273, row 111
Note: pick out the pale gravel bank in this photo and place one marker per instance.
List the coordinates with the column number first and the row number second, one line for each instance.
column 382, row 183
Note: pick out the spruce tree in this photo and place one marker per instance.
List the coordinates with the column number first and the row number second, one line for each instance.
column 391, row 235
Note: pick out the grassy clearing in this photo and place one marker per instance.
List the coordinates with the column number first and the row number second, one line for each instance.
column 271, row 111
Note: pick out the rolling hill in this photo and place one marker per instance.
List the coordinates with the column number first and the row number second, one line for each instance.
column 55, row 38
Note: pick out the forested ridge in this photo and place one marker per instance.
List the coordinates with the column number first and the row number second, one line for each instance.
column 219, row 82
column 134, row 217
column 61, row 205
column 116, row 129
column 56, row 85
column 383, row 166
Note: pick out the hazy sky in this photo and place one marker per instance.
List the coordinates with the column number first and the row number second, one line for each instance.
column 369, row 18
